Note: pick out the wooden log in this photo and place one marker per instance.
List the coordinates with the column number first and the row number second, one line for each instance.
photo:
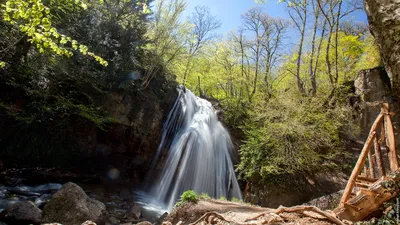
column 360, row 162
column 379, row 160
column 391, row 143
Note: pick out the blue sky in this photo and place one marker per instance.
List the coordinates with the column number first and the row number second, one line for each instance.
column 229, row 11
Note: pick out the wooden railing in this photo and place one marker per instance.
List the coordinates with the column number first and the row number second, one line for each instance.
column 381, row 134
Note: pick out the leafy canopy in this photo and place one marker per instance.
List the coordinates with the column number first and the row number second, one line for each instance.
column 36, row 20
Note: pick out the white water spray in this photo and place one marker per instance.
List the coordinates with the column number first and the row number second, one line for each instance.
column 198, row 153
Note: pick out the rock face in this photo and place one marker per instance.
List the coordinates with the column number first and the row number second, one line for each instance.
column 384, row 23
column 21, row 213
column 372, row 85
column 121, row 148
column 71, row 206
column 295, row 189
column 131, row 141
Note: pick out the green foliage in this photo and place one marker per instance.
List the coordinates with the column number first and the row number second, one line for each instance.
column 286, row 132
column 50, row 103
column 289, row 135
column 189, row 196
column 35, row 20
column 204, row 196
column 223, row 198
column 236, row 200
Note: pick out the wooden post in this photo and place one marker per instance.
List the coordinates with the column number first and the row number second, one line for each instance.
column 360, row 162
column 371, row 163
column 382, row 138
column 390, row 140
column 365, row 171
column 379, row 160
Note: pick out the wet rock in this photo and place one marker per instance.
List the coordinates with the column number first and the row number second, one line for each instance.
column 133, row 214
column 144, row 223
column 71, row 206
column 21, row 213
column 114, row 220
column 88, row 222
column 161, row 219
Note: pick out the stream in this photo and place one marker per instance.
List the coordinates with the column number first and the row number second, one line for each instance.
column 118, row 199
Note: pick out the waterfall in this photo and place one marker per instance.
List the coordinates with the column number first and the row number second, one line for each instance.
column 197, row 152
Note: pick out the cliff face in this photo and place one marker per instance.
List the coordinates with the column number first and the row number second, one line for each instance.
column 121, row 146
column 384, row 23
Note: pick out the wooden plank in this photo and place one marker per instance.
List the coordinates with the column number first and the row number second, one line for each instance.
column 361, row 185
column 360, row 162
column 379, row 160
column 367, row 179
column 368, row 200
column 368, row 192
column 352, row 207
column 391, row 143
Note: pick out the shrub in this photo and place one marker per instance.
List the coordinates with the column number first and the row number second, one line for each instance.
column 204, row 196
column 289, row 135
column 189, row 196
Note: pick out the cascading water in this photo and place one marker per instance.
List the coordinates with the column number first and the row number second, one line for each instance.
column 198, row 153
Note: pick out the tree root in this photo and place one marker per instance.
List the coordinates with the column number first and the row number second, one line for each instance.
column 302, row 209
column 210, row 217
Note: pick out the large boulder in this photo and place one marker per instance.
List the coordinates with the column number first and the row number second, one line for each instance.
column 384, row 23
column 372, row 86
column 21, row 213
column 71, row 206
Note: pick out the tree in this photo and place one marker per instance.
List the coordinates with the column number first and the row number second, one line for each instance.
column 167, row 34
column 37, row 22
column 203, row 25
column 298, row 13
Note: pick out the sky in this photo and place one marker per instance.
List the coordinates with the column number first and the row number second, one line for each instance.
column 229, row 11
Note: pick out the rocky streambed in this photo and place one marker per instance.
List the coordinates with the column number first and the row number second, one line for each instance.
column 71, row 204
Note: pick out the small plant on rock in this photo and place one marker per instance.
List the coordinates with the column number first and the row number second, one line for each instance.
column 189, row 196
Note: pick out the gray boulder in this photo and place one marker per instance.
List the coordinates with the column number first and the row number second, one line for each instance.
column 21, row 213
column 71, row 206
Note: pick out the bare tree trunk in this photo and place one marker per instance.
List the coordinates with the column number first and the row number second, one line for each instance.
column 319, row 50
column 303, row 29
column 255, row 77
column 186, row 70
column 300, row 8
column 310, row 70
column 337, row 42
column 328, row 61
